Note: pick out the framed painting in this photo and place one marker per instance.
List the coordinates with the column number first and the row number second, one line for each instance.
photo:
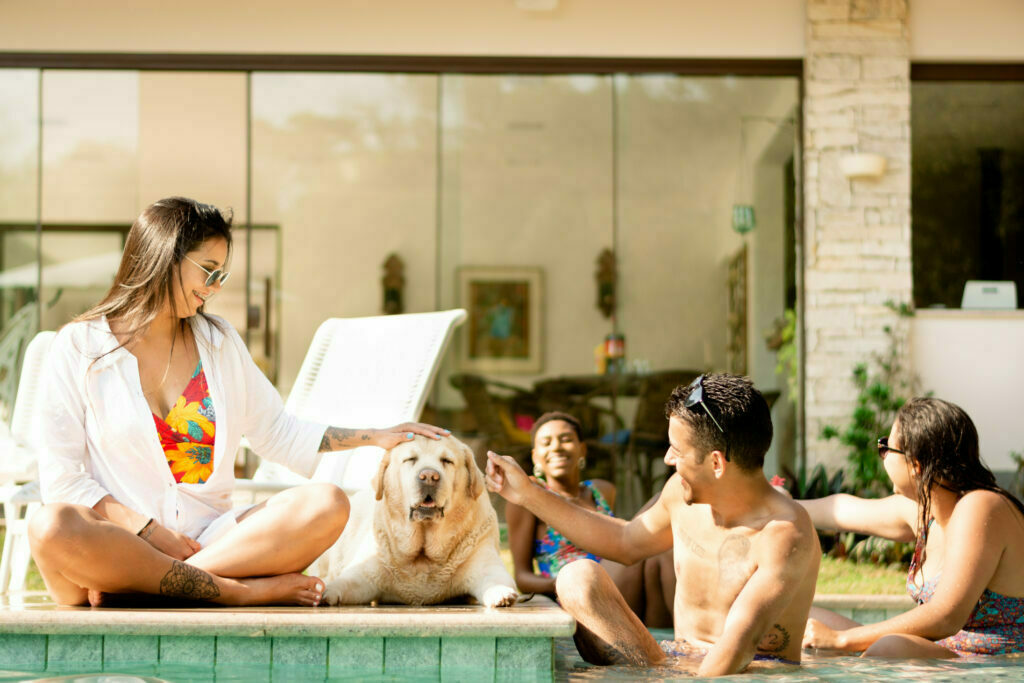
column 503, row 332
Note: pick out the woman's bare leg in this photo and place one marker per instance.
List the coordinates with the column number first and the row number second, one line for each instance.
column 78, row 550
column 285, row 533
column 607, row 630
column 659, row 590
column 836, row 622
column 900, row 646
column 629, row 579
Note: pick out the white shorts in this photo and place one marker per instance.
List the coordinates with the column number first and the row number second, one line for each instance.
column 223, row 524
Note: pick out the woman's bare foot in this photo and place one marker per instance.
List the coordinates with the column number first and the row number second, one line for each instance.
column 284, row 589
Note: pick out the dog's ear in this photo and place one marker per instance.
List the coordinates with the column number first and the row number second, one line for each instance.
column 475, row 478
column 378, row 479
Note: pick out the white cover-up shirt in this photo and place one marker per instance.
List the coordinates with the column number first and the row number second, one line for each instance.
column 97, row 435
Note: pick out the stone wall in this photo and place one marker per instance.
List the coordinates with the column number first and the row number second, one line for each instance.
column 856, row 231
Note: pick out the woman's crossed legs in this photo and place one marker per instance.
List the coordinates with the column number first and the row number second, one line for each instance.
column 79, row 552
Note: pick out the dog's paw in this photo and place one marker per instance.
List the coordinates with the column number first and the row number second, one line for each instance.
column 500, row 596
column 332, row 594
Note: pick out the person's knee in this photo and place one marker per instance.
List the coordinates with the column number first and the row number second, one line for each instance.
column 52, row 524
column 893, row 645
column 328, row 504
column 576, row 581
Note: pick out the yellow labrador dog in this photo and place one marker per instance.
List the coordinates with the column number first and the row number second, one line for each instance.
column 426, row 533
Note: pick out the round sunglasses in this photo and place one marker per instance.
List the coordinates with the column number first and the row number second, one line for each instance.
column 212, row 276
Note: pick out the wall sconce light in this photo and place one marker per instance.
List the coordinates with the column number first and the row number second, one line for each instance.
column 537, row 5
column 862, row 165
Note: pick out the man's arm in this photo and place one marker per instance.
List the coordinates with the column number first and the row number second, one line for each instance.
column 627, row 543
column 785, row 553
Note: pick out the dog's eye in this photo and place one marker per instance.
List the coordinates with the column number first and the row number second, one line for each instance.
column 410, row 459
column 447, row 461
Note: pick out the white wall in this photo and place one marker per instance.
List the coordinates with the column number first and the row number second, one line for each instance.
column 979, row 367
column 955, row 30
column 733, row 28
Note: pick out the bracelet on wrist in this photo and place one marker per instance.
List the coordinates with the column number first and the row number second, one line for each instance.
column 146, row 528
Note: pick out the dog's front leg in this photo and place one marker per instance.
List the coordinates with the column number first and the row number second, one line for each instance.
column 355, row 585
column 489, row 582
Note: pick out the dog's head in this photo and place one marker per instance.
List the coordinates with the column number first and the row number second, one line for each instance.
column 428, row 476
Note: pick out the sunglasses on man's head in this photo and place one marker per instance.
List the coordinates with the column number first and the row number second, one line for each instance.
column 213, row 276
column 696, row 396
column 883, row 448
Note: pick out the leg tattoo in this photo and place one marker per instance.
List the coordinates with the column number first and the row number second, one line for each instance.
column 186, row 581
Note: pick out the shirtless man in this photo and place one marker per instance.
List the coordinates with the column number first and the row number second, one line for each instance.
column 746, row 556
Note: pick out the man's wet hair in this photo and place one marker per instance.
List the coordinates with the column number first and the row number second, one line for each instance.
column 738, row 407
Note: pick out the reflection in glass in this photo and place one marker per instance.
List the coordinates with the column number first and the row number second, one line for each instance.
column 90, row 146
column 345, row 166
column 78, row 269
column 527, row 181
column 967, row 209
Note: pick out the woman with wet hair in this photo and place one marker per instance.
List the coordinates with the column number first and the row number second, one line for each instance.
column 145, row 398
column 969, row 533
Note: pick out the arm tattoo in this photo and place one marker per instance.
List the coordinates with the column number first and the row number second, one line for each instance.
column 339, row 436
column 776, row 640
column 185, row 581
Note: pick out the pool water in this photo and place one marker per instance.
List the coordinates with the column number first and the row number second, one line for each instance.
column 569, row 667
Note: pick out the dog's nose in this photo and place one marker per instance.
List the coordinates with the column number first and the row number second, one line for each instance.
column 429, row 477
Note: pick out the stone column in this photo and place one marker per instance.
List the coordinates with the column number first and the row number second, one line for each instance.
column 856, row 231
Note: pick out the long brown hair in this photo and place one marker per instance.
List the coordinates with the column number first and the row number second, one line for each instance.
column 157, row 243
column 942, row 439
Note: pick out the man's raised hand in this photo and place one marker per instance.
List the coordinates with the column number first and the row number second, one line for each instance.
column 506, row 478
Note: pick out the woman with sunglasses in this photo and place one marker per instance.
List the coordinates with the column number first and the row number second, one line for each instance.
column 145, row 398
column 969, row 533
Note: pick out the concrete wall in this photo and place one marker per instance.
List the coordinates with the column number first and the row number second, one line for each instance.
column 983, row 30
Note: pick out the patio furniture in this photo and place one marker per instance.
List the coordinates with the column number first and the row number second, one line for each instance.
column 494, row 406
column 361, row 372
column 648, row 438
column 21, row 500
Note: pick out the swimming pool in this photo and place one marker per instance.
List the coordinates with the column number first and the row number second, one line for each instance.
column 569, row 667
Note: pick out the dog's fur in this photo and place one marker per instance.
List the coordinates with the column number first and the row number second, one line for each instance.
column 430, row 535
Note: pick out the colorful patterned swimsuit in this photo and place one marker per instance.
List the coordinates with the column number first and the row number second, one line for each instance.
column 186, row 434
column 995, row 627
column 555, row 551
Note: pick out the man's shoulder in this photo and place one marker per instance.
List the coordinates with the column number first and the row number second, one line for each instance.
column 788, row 526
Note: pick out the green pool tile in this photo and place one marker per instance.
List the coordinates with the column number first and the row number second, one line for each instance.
column 467, row 659
column 844, row 612
column 64, row 650
column 363, row 654
column 300, row 652
column 534, row 654
column 868, row 616
column 524, row 676
column 253, row 652
column 415, row 654
column 19, row 651
column 199, row 651
column 130, row 650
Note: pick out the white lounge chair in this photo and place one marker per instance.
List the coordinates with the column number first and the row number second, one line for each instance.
column 362, row 372
column 21, row 500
